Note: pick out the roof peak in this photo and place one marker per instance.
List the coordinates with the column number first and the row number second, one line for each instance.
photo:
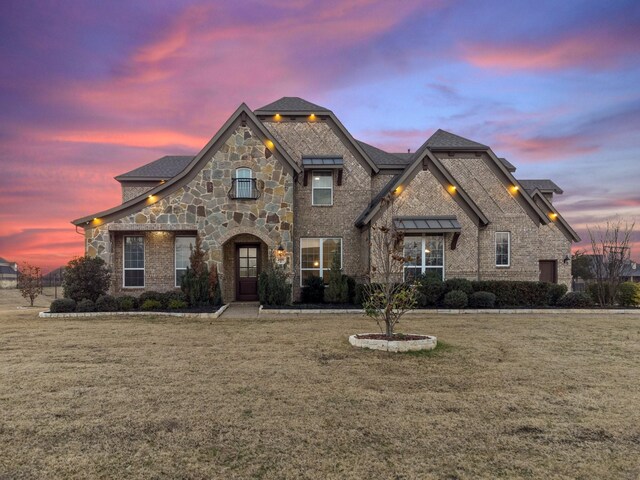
column 444, row 139
column 292, row 104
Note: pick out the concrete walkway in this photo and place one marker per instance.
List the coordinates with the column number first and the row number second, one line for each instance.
column 241, row 310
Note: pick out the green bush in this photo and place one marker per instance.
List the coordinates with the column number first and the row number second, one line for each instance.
column 592, row 290
column 85, row 305
column 455, row 299
column 575, row 300
column 459, row 284
column 358, row 296
column 175, row 304
column 175, row 295
column 482, row 300
column 127, row 303
column 151, row 295
column 86, row 277
column 107, row 303
column 337, row 290
column 555, row 292
column 150, row 304
column 514, row 293
column 313, row 290
column 273, row 285
column 629, row 294
column 430, row 290
column 351, row 288
column 63, row 305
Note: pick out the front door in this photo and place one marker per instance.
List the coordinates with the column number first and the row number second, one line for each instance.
column 247, row 272
column 548, row 271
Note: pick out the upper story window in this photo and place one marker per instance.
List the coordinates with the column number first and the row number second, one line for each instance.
column 503, row 249
column 133, row 264
column 244, row 182
column 322, row 187
column 426, row 256
column 183, row 252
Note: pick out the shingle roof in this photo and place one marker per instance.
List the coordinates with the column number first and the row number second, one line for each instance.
column 380, row 157
column 292, row 104
column 7, row 270
column 435, row 224
column 510, row 166
column 444, row 139
column 164, row 168
column 544, row 185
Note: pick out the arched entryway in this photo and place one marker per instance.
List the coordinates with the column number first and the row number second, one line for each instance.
column 244, row 257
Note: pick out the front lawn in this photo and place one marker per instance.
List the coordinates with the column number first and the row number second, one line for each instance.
column 141, row 397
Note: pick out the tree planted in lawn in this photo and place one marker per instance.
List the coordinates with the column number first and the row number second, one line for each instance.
column 29, row 281
column 86, row 277
column 387, row 297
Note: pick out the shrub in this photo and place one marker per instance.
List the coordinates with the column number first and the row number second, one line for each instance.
column 151, row 295
column 85, row 305
column 459, row 284
column 455, row 299
column 482, row 300
column 273, row 285
column 575, row 300
column 430, row 289
column 149, row 305
column 359, row 292
column 629, row 294
column 175, row 295
column 593, row 291
column 514, row 293
column 195, row 281
column 126, row 303
column 63, row 305
column 175, row 304
column 337, row 290
column 351, row 288
column 555, row 292
column 313, row 290
column 107, row 303
column 86, row 277
column 215, row 292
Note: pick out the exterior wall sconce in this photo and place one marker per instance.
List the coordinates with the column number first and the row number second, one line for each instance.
column 566, row 259
column 281, row 255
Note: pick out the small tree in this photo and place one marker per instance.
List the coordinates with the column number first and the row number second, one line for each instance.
column 389, row 298
column 29, row 281
column 86, row 277
column 273, row 285
column 610, row 246
column 195, row 281
column 337, row 290
column 215, row 293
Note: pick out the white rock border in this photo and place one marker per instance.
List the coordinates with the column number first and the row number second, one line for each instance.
column 209, row 315
column 427, row 343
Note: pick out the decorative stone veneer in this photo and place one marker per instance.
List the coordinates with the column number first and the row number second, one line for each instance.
column 135, row 189
column 349, row 199
column 204, row 203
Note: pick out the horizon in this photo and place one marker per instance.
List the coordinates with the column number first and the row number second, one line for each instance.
column 91, row 91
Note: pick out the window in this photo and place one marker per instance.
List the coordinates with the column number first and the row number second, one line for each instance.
column 322, row 187
column 316, row 255
column 244, row 183
column 503, row 249
column 426, row 256
column 183, row 252
column 133, row 261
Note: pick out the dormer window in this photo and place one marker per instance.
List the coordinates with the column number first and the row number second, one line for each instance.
column 322, row 187
column 244, row 185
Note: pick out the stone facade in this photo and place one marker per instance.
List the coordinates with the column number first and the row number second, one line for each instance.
column 283, row 213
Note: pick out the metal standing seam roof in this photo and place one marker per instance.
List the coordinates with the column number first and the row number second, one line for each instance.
column 431, row 223
column 322, row 162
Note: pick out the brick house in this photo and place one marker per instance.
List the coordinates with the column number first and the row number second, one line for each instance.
column 288, row 180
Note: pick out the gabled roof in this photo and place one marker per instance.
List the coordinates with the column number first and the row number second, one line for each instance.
column 162, row 169
column 509, row 166
column 559, row 219
column 442, row 139
column 382, row 158
column 291, row 104
column 544, row 185
column 242, row 113
column 7, row 270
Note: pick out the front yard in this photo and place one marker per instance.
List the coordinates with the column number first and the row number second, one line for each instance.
column 507, row 396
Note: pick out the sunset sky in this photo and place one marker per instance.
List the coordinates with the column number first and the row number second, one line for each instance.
column 90, row 90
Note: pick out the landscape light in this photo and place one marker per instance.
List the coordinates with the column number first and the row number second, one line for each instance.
column 312, row 117
column 277, row 117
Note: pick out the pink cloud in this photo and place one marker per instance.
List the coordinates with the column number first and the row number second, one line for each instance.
column 544, row 147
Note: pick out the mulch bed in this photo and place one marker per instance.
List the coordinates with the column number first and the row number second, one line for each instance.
column 315, row 306
column 398, row 337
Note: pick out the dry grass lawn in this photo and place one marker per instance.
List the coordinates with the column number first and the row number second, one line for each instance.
column 508, row 397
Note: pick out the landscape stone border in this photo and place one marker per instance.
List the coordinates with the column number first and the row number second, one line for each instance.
column 455, row 311
column 427, row 343
column 209, row 315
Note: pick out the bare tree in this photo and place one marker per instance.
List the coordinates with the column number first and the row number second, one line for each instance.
column 386, row 297
column 29, row 281
column 610, row 248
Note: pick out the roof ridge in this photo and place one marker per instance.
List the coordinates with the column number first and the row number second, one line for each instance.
column 292, row 104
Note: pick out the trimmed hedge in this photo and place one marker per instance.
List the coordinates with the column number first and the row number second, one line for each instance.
column 63, row 305
column 455, row 299
column 576, row 300
column 461, row 284
column 556, row 292
column 151, row 304
column 313, row 290
column 629, row 294
column 107, row 303
column 126, row 303
column 85, row 305
column 482, row 300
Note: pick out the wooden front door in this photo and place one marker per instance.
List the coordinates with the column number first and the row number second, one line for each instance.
column 548, row 271
column 247, row 272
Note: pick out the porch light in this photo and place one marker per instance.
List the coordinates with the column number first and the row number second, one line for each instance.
column 281, row 255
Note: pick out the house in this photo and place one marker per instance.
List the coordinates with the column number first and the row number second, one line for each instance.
column 289, row 181
column 8, row 274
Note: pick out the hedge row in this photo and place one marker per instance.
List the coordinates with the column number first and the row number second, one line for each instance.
column 147, row 301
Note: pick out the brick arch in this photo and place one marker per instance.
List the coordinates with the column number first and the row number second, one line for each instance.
column 256, row 232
